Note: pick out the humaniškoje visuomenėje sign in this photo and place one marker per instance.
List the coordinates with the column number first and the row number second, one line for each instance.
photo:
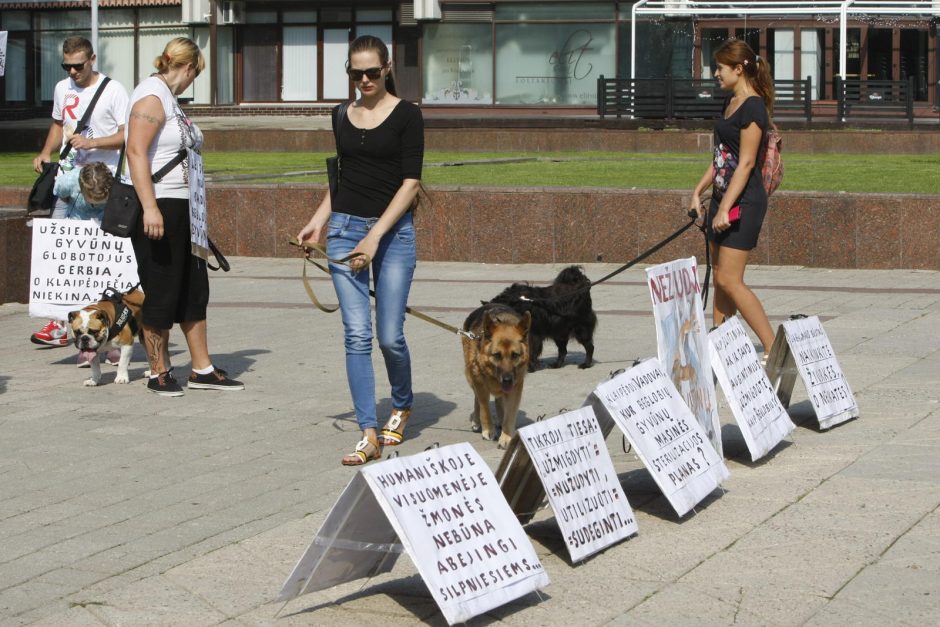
column 571, row 458
column 72, row 263
column 668, row 439
column 455, row 523
column 828, row 389
column 762, row 419
column 445, row 509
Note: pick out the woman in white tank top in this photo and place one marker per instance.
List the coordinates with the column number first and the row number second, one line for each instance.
column 175, row 281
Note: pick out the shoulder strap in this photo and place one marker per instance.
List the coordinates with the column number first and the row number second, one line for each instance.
column 159, row 174
column 340, row 116
column 87, row 116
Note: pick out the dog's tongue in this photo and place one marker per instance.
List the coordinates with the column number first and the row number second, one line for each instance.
column 87, row 355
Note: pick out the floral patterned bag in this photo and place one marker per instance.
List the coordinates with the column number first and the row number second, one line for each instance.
column 771, row 170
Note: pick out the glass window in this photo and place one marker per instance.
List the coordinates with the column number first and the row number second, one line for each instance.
column 458, row 64
column 109, row 18
column 261, row 17
column 552, row 64
column 15, row 20
column 556, row 11
column 115, row 47
column 49, row 20
column 300, row 63
column 783, row 58
column 664, row 49
column 15, row 84
column 334, row 14
column 160, row 16
column 226, row 71
column 299, row 17
column 711, row 38
column 259, row 64
column 201, row 90
column 373, row 15
column 382, row 31
column 811, row 57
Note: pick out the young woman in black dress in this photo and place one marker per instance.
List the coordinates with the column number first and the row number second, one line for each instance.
column 738, row 202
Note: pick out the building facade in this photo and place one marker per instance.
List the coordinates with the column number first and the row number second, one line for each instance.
column 542, row 54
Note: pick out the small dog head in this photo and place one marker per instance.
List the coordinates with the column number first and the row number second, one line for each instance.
column 506, row 348
column 89, row 329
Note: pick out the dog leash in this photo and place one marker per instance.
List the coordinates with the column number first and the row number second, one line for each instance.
column 310, row 247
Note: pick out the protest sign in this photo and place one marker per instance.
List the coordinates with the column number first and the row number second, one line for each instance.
column 446, row 511
column 682, row 342
column 198, row 207
column 826, row 385
column 762, row 419
column 3, row 52
column 72, row 263
column 665, row 435
column 571, row 458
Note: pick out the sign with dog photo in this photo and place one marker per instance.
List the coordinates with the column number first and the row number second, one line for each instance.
column 826, row 385
column 682, row 341
column 665, row 435
column 72, row 263
column 762, row 419
column 571, row 458
column 444, row 508
column 198, row 206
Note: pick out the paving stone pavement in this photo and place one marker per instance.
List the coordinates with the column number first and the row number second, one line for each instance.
column 118, row 507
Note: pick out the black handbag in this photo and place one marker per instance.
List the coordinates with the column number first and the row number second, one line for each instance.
column 122, row 211
column 334, row 164
column 41, row 198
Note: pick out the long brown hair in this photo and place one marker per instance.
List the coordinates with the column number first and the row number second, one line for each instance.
column 370, row 43
column 756, row 70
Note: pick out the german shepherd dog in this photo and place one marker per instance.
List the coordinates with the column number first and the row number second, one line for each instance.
column 559, row 311
column 495, row 365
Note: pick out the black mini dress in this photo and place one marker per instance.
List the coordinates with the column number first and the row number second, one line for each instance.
column 743, row 233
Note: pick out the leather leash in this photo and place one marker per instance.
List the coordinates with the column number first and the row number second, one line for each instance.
column 310, row 247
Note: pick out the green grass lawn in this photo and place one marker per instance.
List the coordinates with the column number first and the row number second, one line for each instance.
column 804, row 172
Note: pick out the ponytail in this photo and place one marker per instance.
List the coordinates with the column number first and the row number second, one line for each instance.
column 763, row 84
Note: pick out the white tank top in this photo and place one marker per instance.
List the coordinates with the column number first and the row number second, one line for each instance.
column 177, row 132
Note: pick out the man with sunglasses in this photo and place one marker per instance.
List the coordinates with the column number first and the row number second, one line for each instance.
column 100, row 140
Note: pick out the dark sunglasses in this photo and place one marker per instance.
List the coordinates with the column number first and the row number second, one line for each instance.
column 74, row 66
column 374, row 73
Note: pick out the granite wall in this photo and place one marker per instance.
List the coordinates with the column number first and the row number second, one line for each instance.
column 546, row 225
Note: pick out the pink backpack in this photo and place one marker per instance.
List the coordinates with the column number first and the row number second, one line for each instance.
column 772, row 169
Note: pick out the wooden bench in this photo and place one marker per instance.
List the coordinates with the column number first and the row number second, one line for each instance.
column 875, row 99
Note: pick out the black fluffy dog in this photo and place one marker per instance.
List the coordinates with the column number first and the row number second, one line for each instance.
column 559, row 311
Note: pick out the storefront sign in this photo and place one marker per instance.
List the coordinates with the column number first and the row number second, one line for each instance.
column 72, row 263
column 444, row 508
column 571, row 458
column 682, row 341
column 665, row 435
column 762, row 419
column 825, row 383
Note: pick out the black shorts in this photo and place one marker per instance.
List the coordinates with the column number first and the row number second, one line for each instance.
column 743, row 233
column 175, row 282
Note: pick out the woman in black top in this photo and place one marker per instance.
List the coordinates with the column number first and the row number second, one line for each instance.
column 381, row 149
column 738, row 202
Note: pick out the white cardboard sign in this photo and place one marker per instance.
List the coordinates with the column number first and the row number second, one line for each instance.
column 72, row 262
column 665, row 435
column 447, row 512
column 762, row 419
column 198, row 207
column 682, row 341
column 828, row 389
column 571, row 459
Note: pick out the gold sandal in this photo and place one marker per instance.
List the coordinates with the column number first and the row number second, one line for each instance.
column 362, row 454
column 394, row 432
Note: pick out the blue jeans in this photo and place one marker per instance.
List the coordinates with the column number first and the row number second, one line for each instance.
column 392, row 268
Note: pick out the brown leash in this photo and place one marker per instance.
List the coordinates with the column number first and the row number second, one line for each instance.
column 310, row 248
